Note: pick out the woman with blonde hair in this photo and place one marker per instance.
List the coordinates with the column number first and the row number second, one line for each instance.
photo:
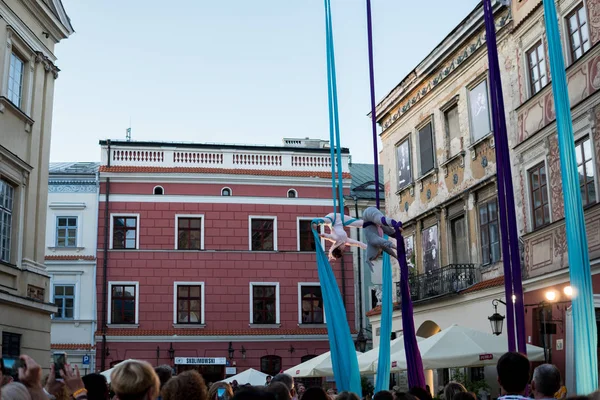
column 135, row 380
column 452, row 388
column 214, row 390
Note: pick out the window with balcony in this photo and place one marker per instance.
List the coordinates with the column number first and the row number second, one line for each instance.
column 123, row 301
column 538, row 193
column 16, row 70
column 430, row 246
column 263, row 234
column 536, row 67
column 452, row 130
column 7, row 194
column 189, row 303
column 586, row 170
column 426, row 152
column 579, row 39
column 311, row 304
column 66, row 231
column 125, row 232
column 490, row 232
column 64, row 298
column 189, row 233
column 479, row 111
column 264, row 300
column 270, row 365
column 405, row 176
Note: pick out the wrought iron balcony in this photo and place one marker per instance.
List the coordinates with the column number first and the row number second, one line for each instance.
column 450, row 279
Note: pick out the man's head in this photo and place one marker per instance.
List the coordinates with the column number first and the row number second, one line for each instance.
column 383, row 395
column 269, row 377
column 286, row 380
column 513, row 373
column 420, row 393
column 546, row 381
column 164, row 373
column 96, row 385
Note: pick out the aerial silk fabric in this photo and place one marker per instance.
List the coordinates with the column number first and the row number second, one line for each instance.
column 385, row 331
column 343, row 352
column 515, row 311
column 585, row 339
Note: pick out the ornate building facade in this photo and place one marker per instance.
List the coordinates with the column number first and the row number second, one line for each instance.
column 29, row 31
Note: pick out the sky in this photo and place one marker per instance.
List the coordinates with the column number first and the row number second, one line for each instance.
column 232, row 71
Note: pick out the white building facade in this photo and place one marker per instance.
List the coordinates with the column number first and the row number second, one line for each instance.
column 71, row 238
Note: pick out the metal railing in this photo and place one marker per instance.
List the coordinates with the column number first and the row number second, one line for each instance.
column 450, row 279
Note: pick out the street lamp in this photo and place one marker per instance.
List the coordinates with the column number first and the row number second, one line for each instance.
column 231, row 351
column 361, row 341
column 243, row 351
column 171, row 352
column 496, row 320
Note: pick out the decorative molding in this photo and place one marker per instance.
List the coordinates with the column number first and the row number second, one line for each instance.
column 67, row 206
column 72, row 188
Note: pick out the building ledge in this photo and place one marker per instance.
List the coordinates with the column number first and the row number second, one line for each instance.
column 70, row 257
column 189, row 326
column 312, row 326
column 27, row 303
column 72, row 346
column 118, row 331
column 264, row 326
column 124, row 326
column 5, row 104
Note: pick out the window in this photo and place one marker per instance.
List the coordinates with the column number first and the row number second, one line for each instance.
column 125, row 232
column 409, row 245
column 427, row 160
column 460, row 241
column 536, row 67
column 479, row 114
column 405, row 176
column 431, row 253
column 311, row 304
column 11, row 348
column 490, row 233
column 64, row 298
column 159, row 190
column 263, row 234
column 292, row 194
column 7, row 193
column 306, row 239
column 189, row 302
column 270, row 365
column 66, row 231
column 579, row 40
column 538, row 190
column 226, row 192
column 15, row 79
column 585, row 167
column 264, row 298
column 453, row 130
column 190, row 233
column 123, row 303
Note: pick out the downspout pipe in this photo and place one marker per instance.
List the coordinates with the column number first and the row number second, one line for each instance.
column 105, row 265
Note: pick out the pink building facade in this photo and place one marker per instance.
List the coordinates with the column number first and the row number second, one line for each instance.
column 206, row 259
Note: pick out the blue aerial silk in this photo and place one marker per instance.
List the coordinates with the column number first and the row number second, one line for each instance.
column 343, row 352
column 585, row 339
column 383, row 364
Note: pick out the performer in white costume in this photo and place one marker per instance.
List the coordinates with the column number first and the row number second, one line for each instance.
column 338, row 236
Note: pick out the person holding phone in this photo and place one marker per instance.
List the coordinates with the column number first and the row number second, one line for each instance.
column 220, row 391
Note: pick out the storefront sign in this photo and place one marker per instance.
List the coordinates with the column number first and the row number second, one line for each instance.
column 230, row 371
column 200, row 361
column 484, row 357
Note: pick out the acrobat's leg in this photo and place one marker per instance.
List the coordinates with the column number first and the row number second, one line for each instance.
column 352, row 242
column 389, row 250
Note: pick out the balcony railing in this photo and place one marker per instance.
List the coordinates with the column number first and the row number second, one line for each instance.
column 450, row 279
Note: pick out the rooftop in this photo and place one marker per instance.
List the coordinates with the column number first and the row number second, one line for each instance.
column 363, row 181
column 73, row 168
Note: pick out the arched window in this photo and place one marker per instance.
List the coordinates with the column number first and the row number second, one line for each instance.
column 270, row 365
column 158, row 190
column 226, row 191
column 292, row 193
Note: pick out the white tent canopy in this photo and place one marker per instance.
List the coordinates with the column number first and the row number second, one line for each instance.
column 319, row 366
column 367, row 362
column 109, row 372
column 458, row 347
column 251, row 376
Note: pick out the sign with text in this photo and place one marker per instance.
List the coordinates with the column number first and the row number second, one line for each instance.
column 200, row 360
column 230, row 370
column 485, row 357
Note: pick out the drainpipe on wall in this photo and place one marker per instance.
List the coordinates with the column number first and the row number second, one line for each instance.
column 105, row 266
column 94, row 278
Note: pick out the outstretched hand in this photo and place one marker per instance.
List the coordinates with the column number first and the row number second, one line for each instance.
column 72, row 378
column 53, row 386
column 31, row 374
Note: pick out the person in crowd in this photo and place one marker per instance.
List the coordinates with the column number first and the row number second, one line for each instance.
column 15, row 391
column 268, row 382
column 97, row 386
column 280, row 390
column 135, row 380
column 300, row 391
column 235, row 386
column 213, row 390
column 331, row 393
column 188, row 385
column 383, row 395
column 315, row 393
column 253, row 393
column 420, row 393
column 287, row 381
column 404, row 396
column 545, row 382
column 347, row 396
column 453, row 388
column 464, row 396
column 513, row 375
column 164, row 373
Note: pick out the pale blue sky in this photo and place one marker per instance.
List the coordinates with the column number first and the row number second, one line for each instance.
column 234, row 71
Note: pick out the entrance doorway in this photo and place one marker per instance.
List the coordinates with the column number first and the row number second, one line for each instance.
column 210, row 373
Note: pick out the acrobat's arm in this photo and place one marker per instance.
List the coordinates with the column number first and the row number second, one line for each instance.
column 353, row 222
column 356, row 243
column 328, row 237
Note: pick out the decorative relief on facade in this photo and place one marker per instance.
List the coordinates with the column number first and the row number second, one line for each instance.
column 541, row 252
column 594, row 19
column 443, row 72
column 523, row 202
column 578, row 89
column 596, row 132
column 556, row 194
column 560, row 244
column 36, row 293
column 71, row 188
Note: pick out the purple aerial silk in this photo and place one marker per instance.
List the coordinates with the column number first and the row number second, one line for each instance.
column 513, row 285
column 373, row 114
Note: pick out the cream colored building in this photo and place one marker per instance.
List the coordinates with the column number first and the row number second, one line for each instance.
column 29, row 30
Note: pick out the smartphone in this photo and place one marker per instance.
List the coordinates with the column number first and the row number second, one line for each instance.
column 221, row 394
column 60, row 360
